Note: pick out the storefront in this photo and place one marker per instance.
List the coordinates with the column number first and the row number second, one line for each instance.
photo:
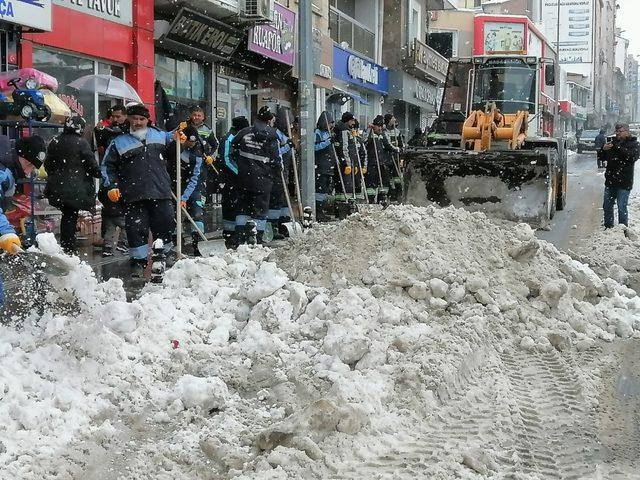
column 94, row 38
column 188, row 45
column 414, row 90
column 359, row 86
column 232, row 96
column 20, row 17
column 276, row 44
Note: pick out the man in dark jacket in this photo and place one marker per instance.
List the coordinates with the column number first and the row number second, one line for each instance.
column 379, row 173
column 210, row 144
column 256, row 150
column 278, row 211
column 600, row 141
column 135, row 167
column 71, row 168
column 418, row 139
column 228, row 182
column 621, row 155
column 392, row 158
column 344, row 145
column 325, row 166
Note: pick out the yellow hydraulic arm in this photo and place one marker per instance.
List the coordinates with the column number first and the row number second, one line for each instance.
column 481, row 128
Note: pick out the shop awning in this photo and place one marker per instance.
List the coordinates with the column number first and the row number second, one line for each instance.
column 355, row 96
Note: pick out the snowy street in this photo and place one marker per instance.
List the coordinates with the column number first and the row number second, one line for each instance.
column 348, row 354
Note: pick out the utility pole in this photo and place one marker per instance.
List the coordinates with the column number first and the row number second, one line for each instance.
column 558, row 133
column 306, row 95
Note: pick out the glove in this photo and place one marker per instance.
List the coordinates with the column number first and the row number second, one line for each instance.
column 10, row 243
column 209, row 160
column 179, row 136
column 114, row 195
column 182, row 126
column 42, row 173
column 347, row 170
column 183, row 204
column 364, row 170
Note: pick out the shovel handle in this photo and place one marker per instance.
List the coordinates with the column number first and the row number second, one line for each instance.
column 191, row 220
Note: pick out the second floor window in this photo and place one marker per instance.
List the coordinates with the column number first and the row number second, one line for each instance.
column 345, row 28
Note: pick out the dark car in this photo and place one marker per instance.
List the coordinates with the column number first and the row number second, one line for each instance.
column 587, row 141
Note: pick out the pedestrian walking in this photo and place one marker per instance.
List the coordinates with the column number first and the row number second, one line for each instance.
column 229, row 184
column 325, row 166
column 600, row 141
column 258, row 157
column 9, row 241
column 71, row 169
column 136, row 170
column 620, row 153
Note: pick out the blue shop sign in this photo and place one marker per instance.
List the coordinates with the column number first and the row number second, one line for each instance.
column 359, row 71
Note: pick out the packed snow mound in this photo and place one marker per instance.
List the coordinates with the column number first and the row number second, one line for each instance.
column 615, row 253
column 264, row 364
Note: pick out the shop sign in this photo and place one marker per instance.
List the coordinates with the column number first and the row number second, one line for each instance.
column 428, row 61
column 276, row 40
column 425, row 93
column 201, row 36
column 29, row 13
column 73, row 103
column 119, row 11
column 359, row 71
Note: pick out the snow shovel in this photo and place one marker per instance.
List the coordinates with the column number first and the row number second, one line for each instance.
column 293, row 227
column 206, row 247
column 47, row 264
column 294, row 165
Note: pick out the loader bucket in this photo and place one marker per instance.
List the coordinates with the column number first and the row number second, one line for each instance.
column 513, row 184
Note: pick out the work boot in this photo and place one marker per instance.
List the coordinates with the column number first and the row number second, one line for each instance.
column 195, row 238
column 276, row 227
column 138, row 267
column 251, row 232
column 107, row 252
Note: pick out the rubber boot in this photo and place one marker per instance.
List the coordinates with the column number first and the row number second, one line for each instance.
column 195, row 239
column 251, row 232
column 230, row 239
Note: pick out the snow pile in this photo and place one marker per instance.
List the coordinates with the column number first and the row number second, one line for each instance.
column 615, row 253
column 281, row 364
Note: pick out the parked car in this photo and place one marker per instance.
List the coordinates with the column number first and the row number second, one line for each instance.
column 571, row 142
column 587, row 141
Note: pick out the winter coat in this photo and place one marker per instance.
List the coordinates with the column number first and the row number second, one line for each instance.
column 325, row 163
column 71, row 168
column 139, row 168
column 344, row 144
column 357, row 150
column 287, row 159
column 378, row 147
column 391, row 148
column 600, row 140
column 620, row 163
column 256, row 152
column 104, row 135
column 191, row 172
column 7, row 186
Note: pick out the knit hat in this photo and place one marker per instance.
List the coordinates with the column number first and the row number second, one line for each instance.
column 346, row 116
column 265, row 114
column 138, row 109
column 32, row 148
column 239, row 122
column 378, row 121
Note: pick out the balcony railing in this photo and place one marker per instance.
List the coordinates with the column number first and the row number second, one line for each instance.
column 343, row 28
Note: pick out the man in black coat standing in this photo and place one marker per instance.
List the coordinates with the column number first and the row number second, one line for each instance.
column 71, row 168
column 621, row 155
column 257, row 154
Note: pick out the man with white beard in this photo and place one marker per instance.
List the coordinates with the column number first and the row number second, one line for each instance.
column 135, row 169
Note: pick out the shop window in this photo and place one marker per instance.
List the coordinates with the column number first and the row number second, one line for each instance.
column 166, row 73
column 67, row 68
column 114, row 70
column 181, row 78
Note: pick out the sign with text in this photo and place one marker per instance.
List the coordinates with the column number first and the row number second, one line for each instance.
column 276, row 40
column 359, row 71
column 428, row 61
column 575, row 28
column 202, row 36
column 119, row 11
column 28, row 13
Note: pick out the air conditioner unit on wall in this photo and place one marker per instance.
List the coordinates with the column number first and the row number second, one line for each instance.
column 259, row 11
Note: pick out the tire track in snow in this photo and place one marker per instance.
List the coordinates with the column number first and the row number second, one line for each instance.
column 555, row 431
